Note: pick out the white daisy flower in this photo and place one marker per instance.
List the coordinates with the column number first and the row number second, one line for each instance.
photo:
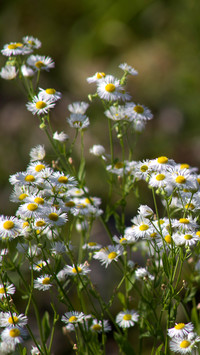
column 161, row 181
column 9, row 72
column 37, row 153
column 98, row 150
column 14, row 335
column 77, row 120
column 50, row 94
column 10, row 227
column 128, row 68
column 58, row 248
column 184, row 223
column 79, row 107
column 82, row 269
column 142, row 274
column 108, row 254
column 54, row 217
column 59, row 180
column 185, row 344
column 188, row 239
column 180, row 330
column 127, row 319
column 26, row 71
column 142, row 169
column 96, row 77
column 39, row 62
column 40, row 265
column 117, row 113
column 11, row 320
column 145, row 211
column 7, row 348
column 142, row 228
column 183, row 179
column 43, row 283
column 32, row 42
column 138, row 112
column 109, row 89
column 29, row 210
column 15, row 48
column 61, row 137
column 91, row 246
column 73, row 317
column 35, row 168
column 99, row 326
column 40, row 105
column 6, row 290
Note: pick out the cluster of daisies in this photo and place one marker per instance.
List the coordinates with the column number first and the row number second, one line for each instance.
column 183, row 339
column 124, row 319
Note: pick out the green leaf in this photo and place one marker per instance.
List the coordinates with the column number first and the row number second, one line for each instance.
column 24, row 351
column 165, row 264
column 124, row 345
column 121, row 297
column 158, row 350
column 46, row 326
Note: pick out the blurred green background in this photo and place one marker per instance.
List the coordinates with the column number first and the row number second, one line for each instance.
column 160, row 38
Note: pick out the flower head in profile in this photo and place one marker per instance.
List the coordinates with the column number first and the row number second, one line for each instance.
column 60, row 137
column 9, row 72
column 99, row 326
column 128, row 68
column 180, row 330
column 37, row 153
column 11, row 320
column 127, row 319
column 15, row 48
column 32, row 42
column 79, row 107
column 96, row 77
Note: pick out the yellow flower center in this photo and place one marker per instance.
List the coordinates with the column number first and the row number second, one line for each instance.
column 46, row 281
column 185, row 344
column 110, row 87
column 13, row 320
column 15, row 45
column 63, row 179
column 100, row 75
column 25, row 224
column 8, row 225
column 153, row 235
column 127, row 317
column 29, row 178
column 168, row 239
column 198, row 233
column 187, row 236
column 50, row 91
column 184, row 166
column 40, row 105
column 138, row 109
column 119, row 165
column 180, row 179
column 189, row 206
column 53, row 216
column 123, row 240
column 143, row 227
column 22, row 197
column 40, row 223
column 160, row 177
column 112, row 255
column 179, row 326
column 39, row 64
column 75, row 270
column 2, row 290
column 144, row 168
column 14, row 333
column 39, row 200
column 198, row 180
column 92, row 244
column 72, row 319
column 96, row 327
column 184, row 220
column 39, row 167
column 32, row 207
column 162, row 160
